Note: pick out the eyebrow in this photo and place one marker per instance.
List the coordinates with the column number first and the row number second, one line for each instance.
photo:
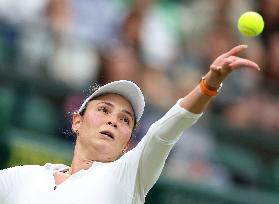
column 111, row 105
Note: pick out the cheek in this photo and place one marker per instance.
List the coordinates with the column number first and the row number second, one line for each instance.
column 96, row 121
column 126, row 135
column 93, row 121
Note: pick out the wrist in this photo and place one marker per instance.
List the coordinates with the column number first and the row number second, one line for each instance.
column 207, row 89
column 213, row 79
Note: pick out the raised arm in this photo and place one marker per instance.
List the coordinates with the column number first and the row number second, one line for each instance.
column 154, row 148
column 197, row 100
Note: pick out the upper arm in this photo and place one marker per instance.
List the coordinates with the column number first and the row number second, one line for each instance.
column 154, row 148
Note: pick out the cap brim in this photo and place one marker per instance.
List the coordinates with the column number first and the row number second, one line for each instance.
column 127, row 89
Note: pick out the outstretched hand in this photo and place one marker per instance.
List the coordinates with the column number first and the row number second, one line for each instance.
column 197, row 100
column 229, row 61
column 223, row 65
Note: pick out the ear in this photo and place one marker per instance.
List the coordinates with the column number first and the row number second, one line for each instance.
column 76, row 121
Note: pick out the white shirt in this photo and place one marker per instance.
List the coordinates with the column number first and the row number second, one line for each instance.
column 124, row 181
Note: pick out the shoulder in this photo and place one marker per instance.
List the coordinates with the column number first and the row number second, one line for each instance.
column 20, row 172
column 33, row 170
column 23, row 168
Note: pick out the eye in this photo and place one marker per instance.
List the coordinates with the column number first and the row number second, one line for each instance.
column 103, row 109
column 126, row 120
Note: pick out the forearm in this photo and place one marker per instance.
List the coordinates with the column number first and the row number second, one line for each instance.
column 196, row 101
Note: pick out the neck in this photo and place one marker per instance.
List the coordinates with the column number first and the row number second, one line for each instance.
column 80, row 161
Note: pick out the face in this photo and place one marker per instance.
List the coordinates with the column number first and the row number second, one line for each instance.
column 104, row 131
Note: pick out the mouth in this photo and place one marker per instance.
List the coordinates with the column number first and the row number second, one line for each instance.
column 107, row 134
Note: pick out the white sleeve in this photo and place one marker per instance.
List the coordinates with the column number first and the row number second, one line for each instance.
column 153, row 150
column 8, row 182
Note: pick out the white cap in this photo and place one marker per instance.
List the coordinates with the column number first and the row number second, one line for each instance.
column 127, row 89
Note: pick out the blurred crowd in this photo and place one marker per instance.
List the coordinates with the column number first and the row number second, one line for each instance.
column 165, row 46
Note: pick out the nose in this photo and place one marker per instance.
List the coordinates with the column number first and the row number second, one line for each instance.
column 112, row 124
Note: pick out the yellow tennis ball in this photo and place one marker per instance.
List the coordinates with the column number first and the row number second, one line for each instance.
column 250, row 24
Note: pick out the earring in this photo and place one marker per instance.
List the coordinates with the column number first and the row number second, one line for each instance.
column 76, row 132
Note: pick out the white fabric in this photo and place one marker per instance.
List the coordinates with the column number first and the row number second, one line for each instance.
column 124, row 181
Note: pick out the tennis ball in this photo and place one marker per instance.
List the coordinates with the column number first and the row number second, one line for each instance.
column 250, row 24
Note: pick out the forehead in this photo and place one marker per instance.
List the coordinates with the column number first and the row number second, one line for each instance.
column 116, row 100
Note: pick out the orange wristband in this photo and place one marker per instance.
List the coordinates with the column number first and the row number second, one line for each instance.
column 208, row 90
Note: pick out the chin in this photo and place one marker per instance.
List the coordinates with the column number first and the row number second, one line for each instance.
column 105, row 159
column 104, row 154
column 104, row 151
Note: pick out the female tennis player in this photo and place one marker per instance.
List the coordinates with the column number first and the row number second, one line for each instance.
column 102, row 172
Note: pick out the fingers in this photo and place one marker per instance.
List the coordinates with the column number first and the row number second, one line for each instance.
column 240, row 62
column 224, row 63
column 232, row 63
column 228, row 62
column 235, row 51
